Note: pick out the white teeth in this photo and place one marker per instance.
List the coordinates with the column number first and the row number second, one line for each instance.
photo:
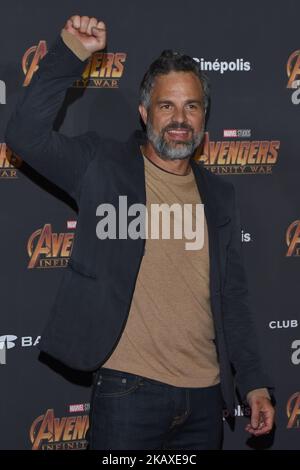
column 178, row 132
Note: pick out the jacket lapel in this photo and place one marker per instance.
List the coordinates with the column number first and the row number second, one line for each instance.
column 215, row 218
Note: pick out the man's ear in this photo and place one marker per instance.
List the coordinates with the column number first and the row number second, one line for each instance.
column 143, row 113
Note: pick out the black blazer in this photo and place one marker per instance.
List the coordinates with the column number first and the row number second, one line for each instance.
column 94, row 297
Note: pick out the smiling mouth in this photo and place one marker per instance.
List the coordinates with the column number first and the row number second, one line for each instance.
column 179, row 134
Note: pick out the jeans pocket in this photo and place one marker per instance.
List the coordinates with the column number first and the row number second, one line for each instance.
column 109, row 384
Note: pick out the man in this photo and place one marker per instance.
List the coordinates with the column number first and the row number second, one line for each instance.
column 161, row 325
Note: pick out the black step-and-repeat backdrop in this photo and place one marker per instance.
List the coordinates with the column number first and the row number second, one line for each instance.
column 251, row 52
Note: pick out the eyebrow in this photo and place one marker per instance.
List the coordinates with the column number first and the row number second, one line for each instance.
column 161, row 101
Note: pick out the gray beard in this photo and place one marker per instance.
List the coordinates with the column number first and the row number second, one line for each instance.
column 168, row 151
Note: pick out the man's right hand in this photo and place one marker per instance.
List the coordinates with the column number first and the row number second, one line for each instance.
column 90, row 32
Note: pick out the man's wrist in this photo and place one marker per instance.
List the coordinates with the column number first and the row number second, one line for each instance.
column 75, row 45
column 258, row 392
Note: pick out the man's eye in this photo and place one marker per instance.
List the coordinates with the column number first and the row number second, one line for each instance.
column 165, row 106
column 192, row 106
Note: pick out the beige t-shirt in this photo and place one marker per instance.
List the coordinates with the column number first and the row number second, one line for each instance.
column 169, row 332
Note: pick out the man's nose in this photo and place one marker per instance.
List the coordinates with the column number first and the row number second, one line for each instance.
column 179, row 115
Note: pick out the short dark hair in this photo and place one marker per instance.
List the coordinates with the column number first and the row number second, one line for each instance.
column 171, row 61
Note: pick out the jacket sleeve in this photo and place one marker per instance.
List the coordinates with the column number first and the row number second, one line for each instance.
column 29, row 133
column 239, row 325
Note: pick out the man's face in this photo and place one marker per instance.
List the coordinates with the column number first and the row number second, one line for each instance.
column 175, row 117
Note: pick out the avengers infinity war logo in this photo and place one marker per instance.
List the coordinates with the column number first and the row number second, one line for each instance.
column 67, row 433
column 103, row 70
column 238, row 156
column 48, row 249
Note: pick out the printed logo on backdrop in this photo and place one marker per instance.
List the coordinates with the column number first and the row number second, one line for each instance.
column 239, row 411
column 239, row 155
column 2, row 92
column 49, row 432
column 295, row 356
column 293, row 411
column 222, row 66
column 9, row 163
column 246, row 237
column 103, row 70
column 283, row 324
column 49, row 249
column 293, row 73
column 8, row 342
column 292, row 239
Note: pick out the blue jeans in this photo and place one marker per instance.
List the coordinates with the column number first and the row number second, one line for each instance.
column 131, row 412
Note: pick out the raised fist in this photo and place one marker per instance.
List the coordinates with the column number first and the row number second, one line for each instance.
column 90, row 32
